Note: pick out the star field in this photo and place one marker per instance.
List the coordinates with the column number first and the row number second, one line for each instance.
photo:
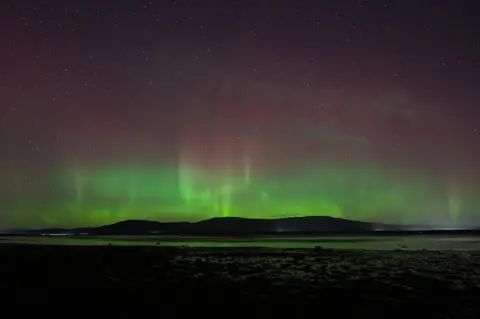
column 184, row 110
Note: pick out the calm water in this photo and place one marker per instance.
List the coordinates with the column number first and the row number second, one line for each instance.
column 375, row 243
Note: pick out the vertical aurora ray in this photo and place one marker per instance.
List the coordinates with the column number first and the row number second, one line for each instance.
column 246, row 161
column 132, row 193
column 454, row 199
column 188, row 181
column 360, row 192
column 79, row 185
column 263, row 126
column 278, row 168
column 222, row 176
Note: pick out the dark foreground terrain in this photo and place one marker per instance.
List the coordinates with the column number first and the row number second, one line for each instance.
column 126, row 281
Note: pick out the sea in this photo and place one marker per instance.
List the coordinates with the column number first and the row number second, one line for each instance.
column 429, row 242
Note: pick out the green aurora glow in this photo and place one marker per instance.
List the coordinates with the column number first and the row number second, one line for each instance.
column 96, row 197
column 287, row 108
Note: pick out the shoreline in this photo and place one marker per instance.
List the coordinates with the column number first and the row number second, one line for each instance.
column 434, row 243
column 436, row 283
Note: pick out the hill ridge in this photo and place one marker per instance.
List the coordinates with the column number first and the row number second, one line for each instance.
column 226, row 225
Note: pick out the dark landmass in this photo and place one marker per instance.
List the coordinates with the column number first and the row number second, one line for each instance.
column 239, row 282
column 228, row 226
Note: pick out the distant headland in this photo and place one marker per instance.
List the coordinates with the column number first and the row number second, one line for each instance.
column 233, row 226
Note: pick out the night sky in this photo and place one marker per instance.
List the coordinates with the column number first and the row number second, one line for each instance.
column 186, row 110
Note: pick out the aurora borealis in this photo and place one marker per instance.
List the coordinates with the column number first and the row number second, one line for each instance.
column 186, row 110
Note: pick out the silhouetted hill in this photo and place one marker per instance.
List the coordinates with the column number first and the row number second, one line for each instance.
column 229, row 226
column 294, row 224
column 134, row 227
column 232, row 225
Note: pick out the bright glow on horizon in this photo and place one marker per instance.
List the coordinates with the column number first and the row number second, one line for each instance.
column 187, row 193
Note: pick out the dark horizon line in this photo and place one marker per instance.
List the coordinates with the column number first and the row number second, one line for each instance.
column 211, row 218
column 387, row 228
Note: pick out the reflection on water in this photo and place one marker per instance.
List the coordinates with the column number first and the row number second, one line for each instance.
column 372, row 243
